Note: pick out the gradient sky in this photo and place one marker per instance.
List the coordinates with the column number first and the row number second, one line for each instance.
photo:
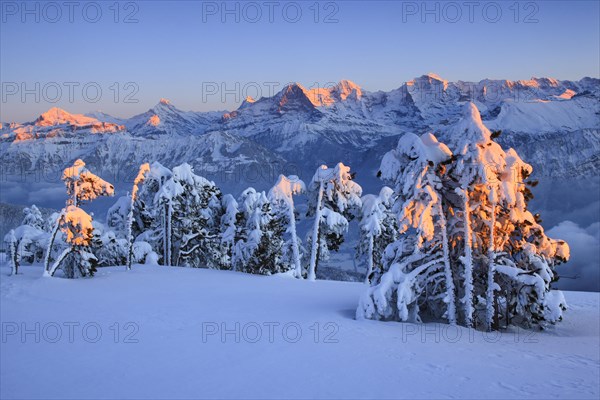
column 174, row 50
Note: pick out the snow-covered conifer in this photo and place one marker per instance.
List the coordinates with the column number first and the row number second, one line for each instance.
column 467, row 213
column 282, row 197
column 139, row 179
column 420, row 276
column 378, row 228
column 230, row 230
column 192, row 216
column 11, row 240
column 76, row 224
column 260, row 247
column 149, row 214
column 334, row 199
column 33, row 217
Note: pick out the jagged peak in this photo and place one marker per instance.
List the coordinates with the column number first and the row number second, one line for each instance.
column 346, row 88
column 293, row 92
column 162, row 106
column 293, row 87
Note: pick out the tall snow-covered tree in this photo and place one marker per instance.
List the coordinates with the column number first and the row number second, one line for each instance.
column 475, row 202
column 378, row 229
column 191, row 220
column 334, row 199
column 116, row 216
column 139, row 179
column 230, row 230
column 260, row 247
column 11, row 240
column 419, row 276
column 149, row 215
column 76, row 259
column 282, row 197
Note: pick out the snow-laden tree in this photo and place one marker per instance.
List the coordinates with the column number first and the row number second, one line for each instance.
column 139, row 179
column 282, row 197
column 191, row 219
column 230, row 231
column 522, row 256
column 493, row 187
column 26, row 243
column 334, row 199
column 11, row 242
column 470, row 212
column 378, row 229
column 33, row 217
column 260, row 247
column 419, row 277
column 109, row 248
column 476, row 173
column 76, row 224
column 116, row 216
column 149, row 216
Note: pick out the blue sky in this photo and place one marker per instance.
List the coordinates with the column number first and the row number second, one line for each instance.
column 180, row 50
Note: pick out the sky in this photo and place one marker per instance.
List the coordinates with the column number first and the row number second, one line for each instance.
column 209, row 55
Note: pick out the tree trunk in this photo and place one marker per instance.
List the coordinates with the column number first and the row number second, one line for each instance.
column 312, row 272
column 60, row 258
column 51, row 244
column 369, row 259
column 489, row 295
column 129, row 235
column 450, row 290
column 13, row 255
column 468, row 262
column 296, row 252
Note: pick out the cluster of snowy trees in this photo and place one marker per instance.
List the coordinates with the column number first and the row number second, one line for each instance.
column 468, row 250
column 177, row 218
column 451, row 239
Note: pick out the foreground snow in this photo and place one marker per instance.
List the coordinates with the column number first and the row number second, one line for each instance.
column 170, row 342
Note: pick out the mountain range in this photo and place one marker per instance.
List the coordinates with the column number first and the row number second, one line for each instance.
column 553, row 124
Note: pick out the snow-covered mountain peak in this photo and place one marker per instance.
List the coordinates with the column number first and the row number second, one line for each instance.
column 294, row 97
column 248, row 101
column 428, row 80
column 543, row 82
column 58, row 116
column 342, row 91
column 346, row 88
column 164, row 106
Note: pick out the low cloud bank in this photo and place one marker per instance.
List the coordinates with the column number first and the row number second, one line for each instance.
column 582, row 272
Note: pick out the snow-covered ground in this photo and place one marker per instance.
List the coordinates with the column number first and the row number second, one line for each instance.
column 157, row 332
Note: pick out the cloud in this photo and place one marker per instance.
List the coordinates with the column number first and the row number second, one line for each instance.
column 582, row 272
